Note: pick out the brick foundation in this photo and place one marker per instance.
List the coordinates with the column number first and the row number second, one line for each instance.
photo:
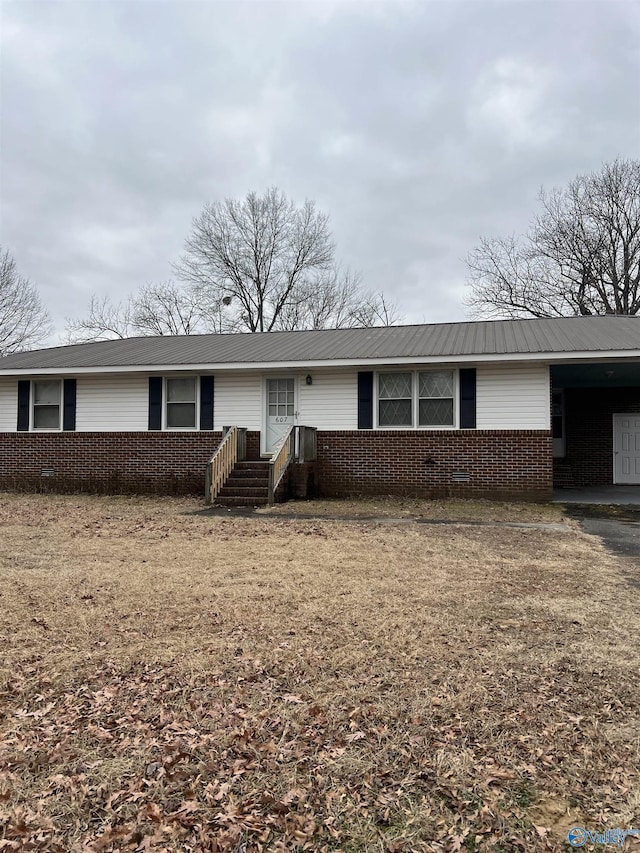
column 589, row 414
column 301, row 481
column 500, row 463
column 109, row 462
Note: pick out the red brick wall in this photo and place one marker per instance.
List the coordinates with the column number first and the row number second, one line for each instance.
column 108, row 462
column 501, row 463
column 589, row 414
column 301, row 481
column 253, row 445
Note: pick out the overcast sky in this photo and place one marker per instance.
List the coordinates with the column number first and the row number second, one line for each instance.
column 418, row 126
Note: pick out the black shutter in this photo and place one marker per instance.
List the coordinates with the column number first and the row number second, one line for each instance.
column 69, row 405
column 468, row 398
column 155, row 402
column 365, row 400
column 24, row 390
column 206, row 402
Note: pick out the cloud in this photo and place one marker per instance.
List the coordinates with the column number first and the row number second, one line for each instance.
column 508, row 101
column 418, row 126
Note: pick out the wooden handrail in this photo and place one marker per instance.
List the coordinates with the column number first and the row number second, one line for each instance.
column 299, row 443
column 231, row 449
column 282, row 455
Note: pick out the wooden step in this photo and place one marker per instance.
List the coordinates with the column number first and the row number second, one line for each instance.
column 238, row 500
column 258, row 492
column 234, row 482
column 249, row 474
column 252, row 465
column 247, row 485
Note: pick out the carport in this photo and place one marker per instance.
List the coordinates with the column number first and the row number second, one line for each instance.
column 595, row 420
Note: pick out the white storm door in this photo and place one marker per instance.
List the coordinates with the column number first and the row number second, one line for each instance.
column 281, row 406
column 626, row 449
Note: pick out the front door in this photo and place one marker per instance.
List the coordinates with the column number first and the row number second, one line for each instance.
column 281, row 406
column 626, row 449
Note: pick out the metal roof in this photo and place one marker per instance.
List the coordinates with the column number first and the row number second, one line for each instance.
column 442, row 340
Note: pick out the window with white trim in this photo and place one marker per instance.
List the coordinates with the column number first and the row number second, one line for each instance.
column 46, row 396
column 395, row 399
column 435, row 398
column 181, row 402
column 424, row 398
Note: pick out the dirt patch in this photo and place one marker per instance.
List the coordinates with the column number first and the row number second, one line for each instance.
column 174, row 681
column 556, row 816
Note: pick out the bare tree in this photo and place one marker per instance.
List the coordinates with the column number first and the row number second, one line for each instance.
column 273, row 264
column 581, row 255
column 337, row 301
column 375, row 310
column 24, row 322
column 156, row 309
column 167, row 309
column 105, row 320
column 250, row 266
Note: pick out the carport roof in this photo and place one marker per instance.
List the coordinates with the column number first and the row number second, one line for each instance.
column 444, row 340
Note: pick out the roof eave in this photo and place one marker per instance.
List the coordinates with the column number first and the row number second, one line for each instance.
column 550, row 357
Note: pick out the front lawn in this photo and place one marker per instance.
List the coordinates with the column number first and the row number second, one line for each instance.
column 177, row 681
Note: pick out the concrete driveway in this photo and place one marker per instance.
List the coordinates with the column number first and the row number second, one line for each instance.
column 619, row 529
column 609, row 495
column 611, row 512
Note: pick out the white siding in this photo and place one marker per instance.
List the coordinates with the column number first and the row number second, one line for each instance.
column 237, row 400
column 331, row 402
column 8, row 405
column 117, row 403
column 513, row 397
column 509, row 396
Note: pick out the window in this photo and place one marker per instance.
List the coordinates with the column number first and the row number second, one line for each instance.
column 435, row 398
column 420, row 398
column 181, row 402
column 47, row 396
column 281, row 398
column 395, row 400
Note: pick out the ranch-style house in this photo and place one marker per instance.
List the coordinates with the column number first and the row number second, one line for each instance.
column 505, row 408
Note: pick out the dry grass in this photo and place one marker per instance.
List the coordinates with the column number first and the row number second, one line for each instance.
column 181, row 682
column 395, row 507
